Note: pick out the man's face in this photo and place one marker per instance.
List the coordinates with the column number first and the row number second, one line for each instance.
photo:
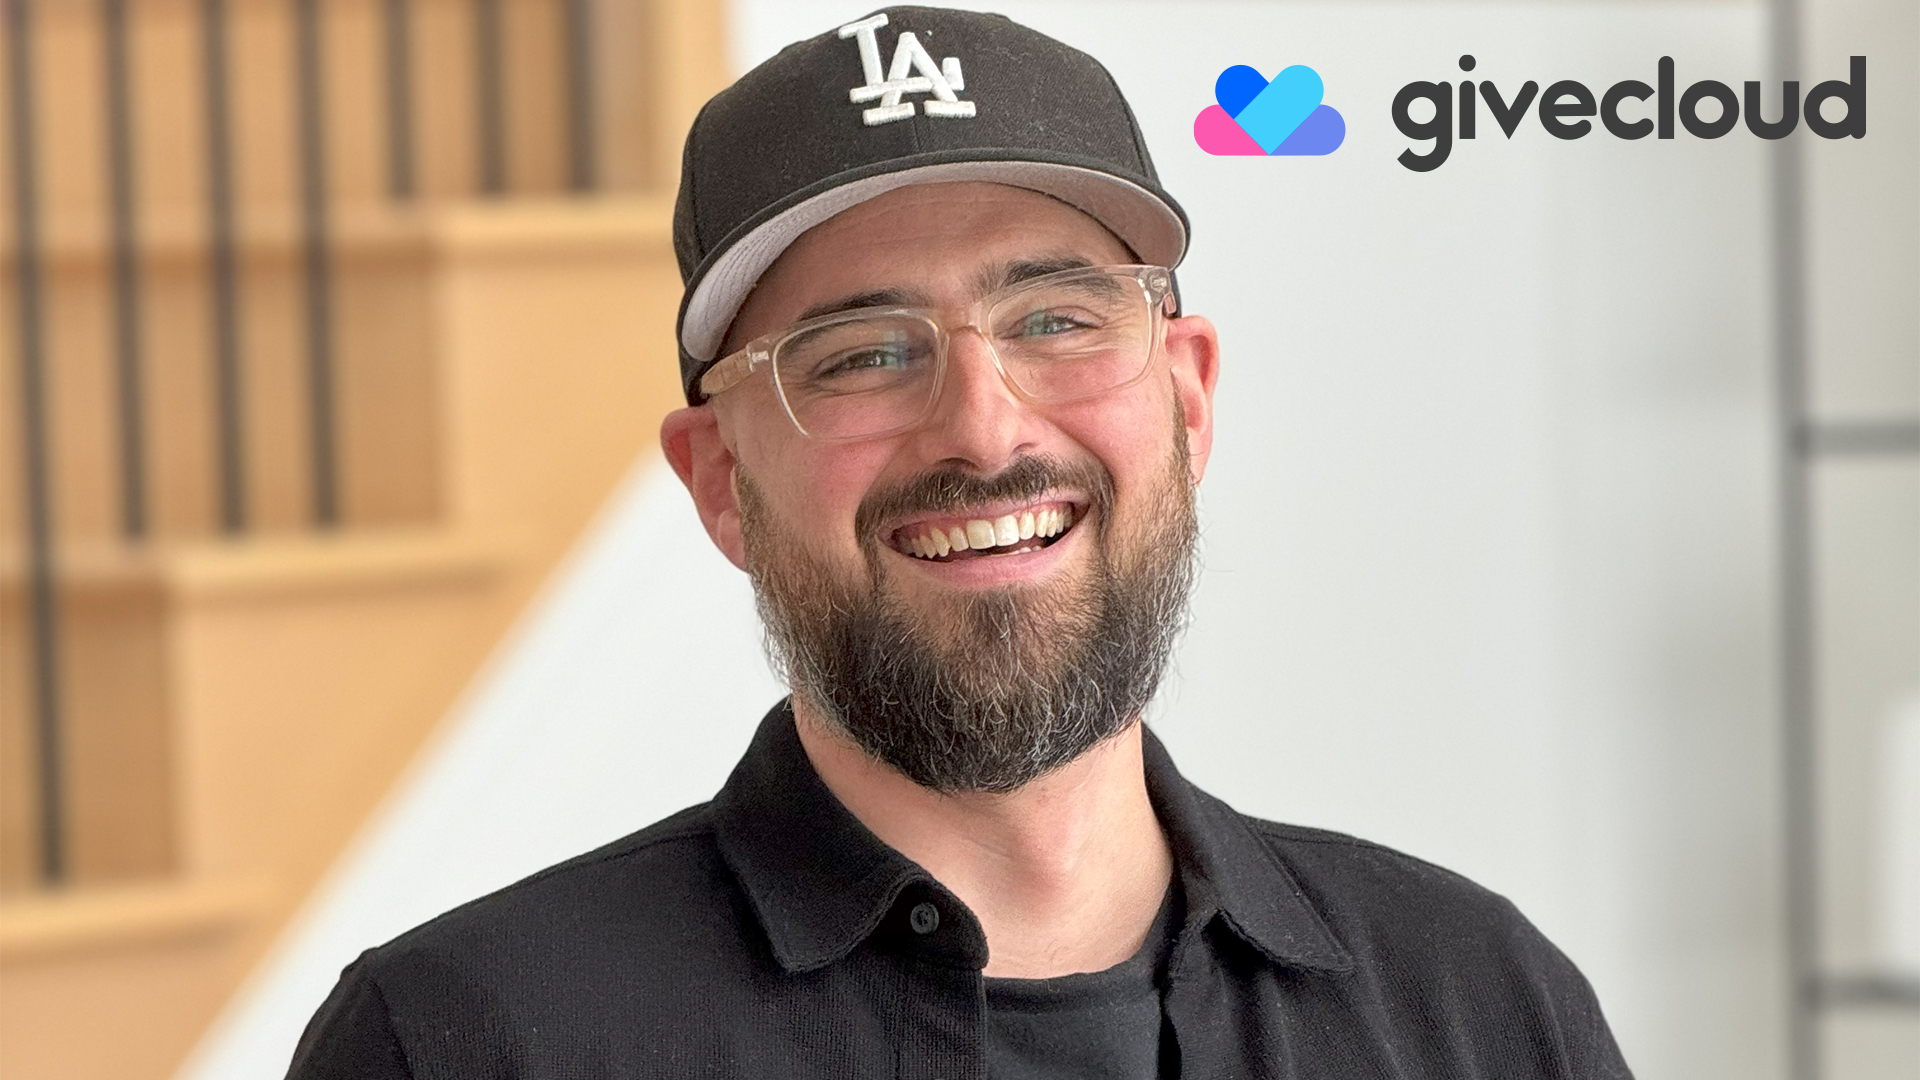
column 976, row 670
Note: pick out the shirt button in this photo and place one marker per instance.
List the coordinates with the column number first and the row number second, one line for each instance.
column 924, row 918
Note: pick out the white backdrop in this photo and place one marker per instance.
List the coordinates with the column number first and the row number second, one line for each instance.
column 1487, row 532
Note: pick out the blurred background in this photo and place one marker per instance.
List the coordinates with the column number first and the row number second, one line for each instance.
column 1563, row 526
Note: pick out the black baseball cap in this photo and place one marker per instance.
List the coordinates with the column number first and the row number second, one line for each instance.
column 906, row 95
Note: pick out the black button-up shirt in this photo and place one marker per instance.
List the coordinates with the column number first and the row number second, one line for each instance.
column 769, row 933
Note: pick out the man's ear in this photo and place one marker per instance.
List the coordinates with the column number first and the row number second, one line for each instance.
column 1193, row 353
column 692, row 441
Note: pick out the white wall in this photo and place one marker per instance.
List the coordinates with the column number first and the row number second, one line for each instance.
column 1488, row 566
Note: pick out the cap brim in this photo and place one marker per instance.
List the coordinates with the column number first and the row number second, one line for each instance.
column 1143, row 220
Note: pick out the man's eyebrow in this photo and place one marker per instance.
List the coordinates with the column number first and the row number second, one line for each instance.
column 876, row 298
column 1019, row 270
column 991, row 279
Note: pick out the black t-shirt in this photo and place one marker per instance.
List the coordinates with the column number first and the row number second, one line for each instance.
column 1100, row 1025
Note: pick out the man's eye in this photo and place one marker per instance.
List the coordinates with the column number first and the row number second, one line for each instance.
column 1048, row 323
column 878, row 358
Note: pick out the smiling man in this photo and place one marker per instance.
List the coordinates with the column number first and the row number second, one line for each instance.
column 945, row 410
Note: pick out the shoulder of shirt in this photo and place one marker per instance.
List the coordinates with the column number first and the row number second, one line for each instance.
column 1436, row 937
column 1337, row 849
column 1365, row 888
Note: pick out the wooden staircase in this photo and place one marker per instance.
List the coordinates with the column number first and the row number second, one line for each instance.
column 234, row 704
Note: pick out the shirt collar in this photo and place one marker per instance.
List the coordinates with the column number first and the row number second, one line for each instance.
column 1226, row 869
column 821, row 883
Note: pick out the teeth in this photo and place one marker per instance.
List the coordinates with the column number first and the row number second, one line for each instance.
column 980, row 534
column 1006, row 531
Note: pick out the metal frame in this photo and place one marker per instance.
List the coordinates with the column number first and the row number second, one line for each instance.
column 309, row 54
column 1802, row 444
column 489, row 96
column 44, row 613
column 583, row 164
column 398, row 32
column 229, row 400
column 126, row 274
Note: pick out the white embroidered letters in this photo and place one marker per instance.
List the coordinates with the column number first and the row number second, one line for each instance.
column 909, row 56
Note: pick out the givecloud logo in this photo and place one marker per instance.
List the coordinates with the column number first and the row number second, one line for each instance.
column 1279, row 118
column 1564, row 104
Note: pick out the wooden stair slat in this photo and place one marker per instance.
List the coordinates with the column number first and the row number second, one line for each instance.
column 42, row 925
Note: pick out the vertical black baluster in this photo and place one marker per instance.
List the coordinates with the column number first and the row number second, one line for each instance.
column 229, row 413
column 33, row 429
column 399, row 48
column 489, row 96
column 309, row 61
column 582, row 145
column 126, row 275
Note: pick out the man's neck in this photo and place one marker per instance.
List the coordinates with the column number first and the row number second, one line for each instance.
column 1065, row 874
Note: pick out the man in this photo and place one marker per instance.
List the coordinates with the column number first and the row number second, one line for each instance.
column 945, row 411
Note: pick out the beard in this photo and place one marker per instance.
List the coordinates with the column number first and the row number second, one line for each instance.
column 985, row 690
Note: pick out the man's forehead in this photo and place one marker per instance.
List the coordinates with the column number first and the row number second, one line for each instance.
column 919, row 212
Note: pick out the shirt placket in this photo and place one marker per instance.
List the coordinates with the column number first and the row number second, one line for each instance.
column 940, row 1008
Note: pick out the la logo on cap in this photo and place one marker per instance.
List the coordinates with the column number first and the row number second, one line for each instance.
column 941, row 80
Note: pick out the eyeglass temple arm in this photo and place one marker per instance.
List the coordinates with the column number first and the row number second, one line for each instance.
column 724, row 373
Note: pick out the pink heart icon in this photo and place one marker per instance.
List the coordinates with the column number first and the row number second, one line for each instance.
column 1217, row 133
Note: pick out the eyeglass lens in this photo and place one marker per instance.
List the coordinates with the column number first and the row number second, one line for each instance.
column 1066, row 337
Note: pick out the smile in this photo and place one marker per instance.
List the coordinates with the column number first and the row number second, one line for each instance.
column 950, row 539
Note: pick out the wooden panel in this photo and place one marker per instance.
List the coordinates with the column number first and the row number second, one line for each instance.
column 560, row 358
column 117, row 984
column 308, row 677
column 19, row 775
column 119, row 747
column 387, row 379
column 125, row 1014
column 115, row 744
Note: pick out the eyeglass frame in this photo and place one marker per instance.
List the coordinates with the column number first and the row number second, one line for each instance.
column 735, row 367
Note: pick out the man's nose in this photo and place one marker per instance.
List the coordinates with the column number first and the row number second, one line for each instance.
column 978, row 418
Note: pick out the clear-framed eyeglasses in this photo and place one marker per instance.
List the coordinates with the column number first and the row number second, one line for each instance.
column 869, row 372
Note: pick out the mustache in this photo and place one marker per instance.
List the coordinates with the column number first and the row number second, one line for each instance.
column 955, row 488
